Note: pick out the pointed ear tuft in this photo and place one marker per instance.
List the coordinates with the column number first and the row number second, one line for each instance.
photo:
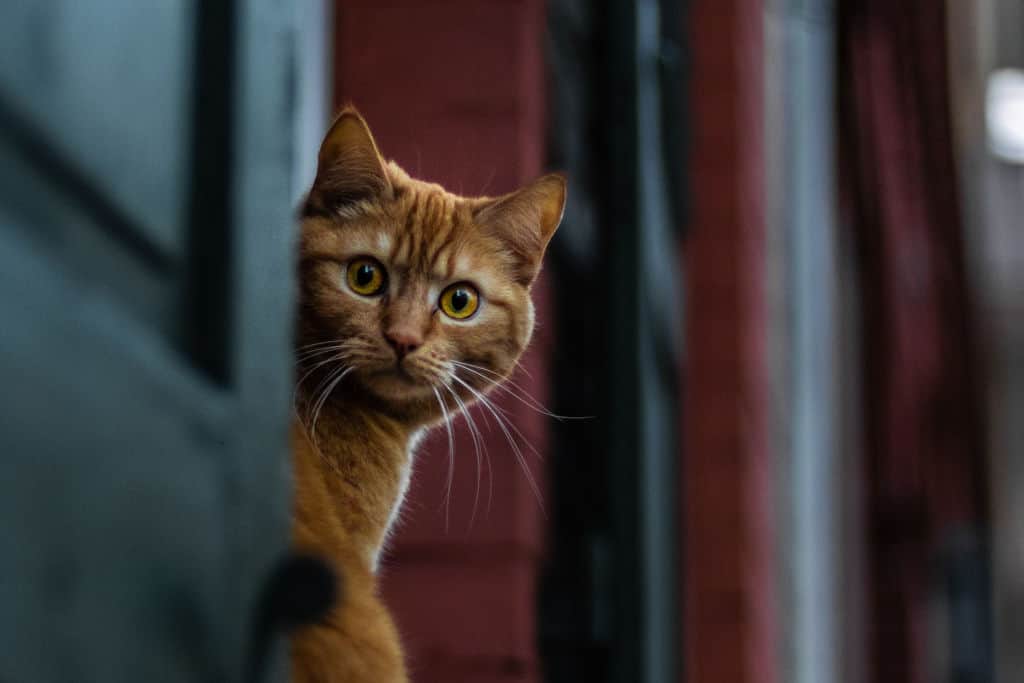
column 526, row 220
column 349, row 169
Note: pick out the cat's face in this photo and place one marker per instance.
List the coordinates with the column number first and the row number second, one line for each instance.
column 412, row 296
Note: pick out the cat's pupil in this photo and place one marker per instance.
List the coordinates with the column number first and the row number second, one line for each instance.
column 364, row 275
column 460, row 299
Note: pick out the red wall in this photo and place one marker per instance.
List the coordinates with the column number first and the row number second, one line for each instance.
column 730, row 632
column 454, row 93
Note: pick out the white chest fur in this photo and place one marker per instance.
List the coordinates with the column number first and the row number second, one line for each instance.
column 405, row 476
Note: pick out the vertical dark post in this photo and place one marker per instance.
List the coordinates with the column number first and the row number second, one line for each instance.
column 643, row 341
column 208, row 277
column 621, row 408
column 609, row 607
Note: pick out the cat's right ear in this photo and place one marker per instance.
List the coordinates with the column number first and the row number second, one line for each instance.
column 350, row 170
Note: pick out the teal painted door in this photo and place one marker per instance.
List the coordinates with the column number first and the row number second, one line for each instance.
column 145, row 289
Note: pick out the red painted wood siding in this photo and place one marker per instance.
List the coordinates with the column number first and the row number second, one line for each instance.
column 730, row 630
column 454, row 93
column 925, row 455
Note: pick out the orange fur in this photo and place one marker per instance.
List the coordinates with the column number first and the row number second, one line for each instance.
column 376, row 370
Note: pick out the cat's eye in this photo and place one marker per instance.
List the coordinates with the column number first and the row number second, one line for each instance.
column 460, row 301
column 366, row 276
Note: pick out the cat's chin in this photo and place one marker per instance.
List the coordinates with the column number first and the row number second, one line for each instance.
column 397, row 386
column 412, row 400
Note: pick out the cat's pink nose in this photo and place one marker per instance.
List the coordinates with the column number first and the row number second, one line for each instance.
column 403, row 342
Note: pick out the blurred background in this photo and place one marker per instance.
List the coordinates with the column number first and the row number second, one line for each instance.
column 787, row 299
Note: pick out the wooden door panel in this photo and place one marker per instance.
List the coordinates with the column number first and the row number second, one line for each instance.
column 112, row 524
column 107, row 86
column 143, row 477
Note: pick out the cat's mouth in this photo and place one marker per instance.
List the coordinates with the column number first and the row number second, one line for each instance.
column 402, row 374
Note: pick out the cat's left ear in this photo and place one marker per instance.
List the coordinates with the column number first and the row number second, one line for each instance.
column 350, row 169
column 526, row 220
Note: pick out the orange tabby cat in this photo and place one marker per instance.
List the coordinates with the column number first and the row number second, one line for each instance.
column 412, row 300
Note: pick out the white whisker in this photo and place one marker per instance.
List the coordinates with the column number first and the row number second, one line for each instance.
column 310, row 350
column 323, row 399
column 314, row 345
column 307, row 355
column 451, row 456
column 524, row 397
column 323, row 382
column 474, row 433
column 337, row 357
column 508, row 436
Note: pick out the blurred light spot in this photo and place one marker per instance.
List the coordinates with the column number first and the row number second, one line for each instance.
column 1004, row 112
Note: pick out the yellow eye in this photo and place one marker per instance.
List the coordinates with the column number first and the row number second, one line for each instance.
column 366, row 276
column 460, row 301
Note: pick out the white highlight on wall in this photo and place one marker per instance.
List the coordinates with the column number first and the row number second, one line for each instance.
column 1004, row 114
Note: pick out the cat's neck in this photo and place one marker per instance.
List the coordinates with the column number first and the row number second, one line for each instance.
column 353, row 473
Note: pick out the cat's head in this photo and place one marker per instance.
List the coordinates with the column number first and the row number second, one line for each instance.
column 410, row 293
